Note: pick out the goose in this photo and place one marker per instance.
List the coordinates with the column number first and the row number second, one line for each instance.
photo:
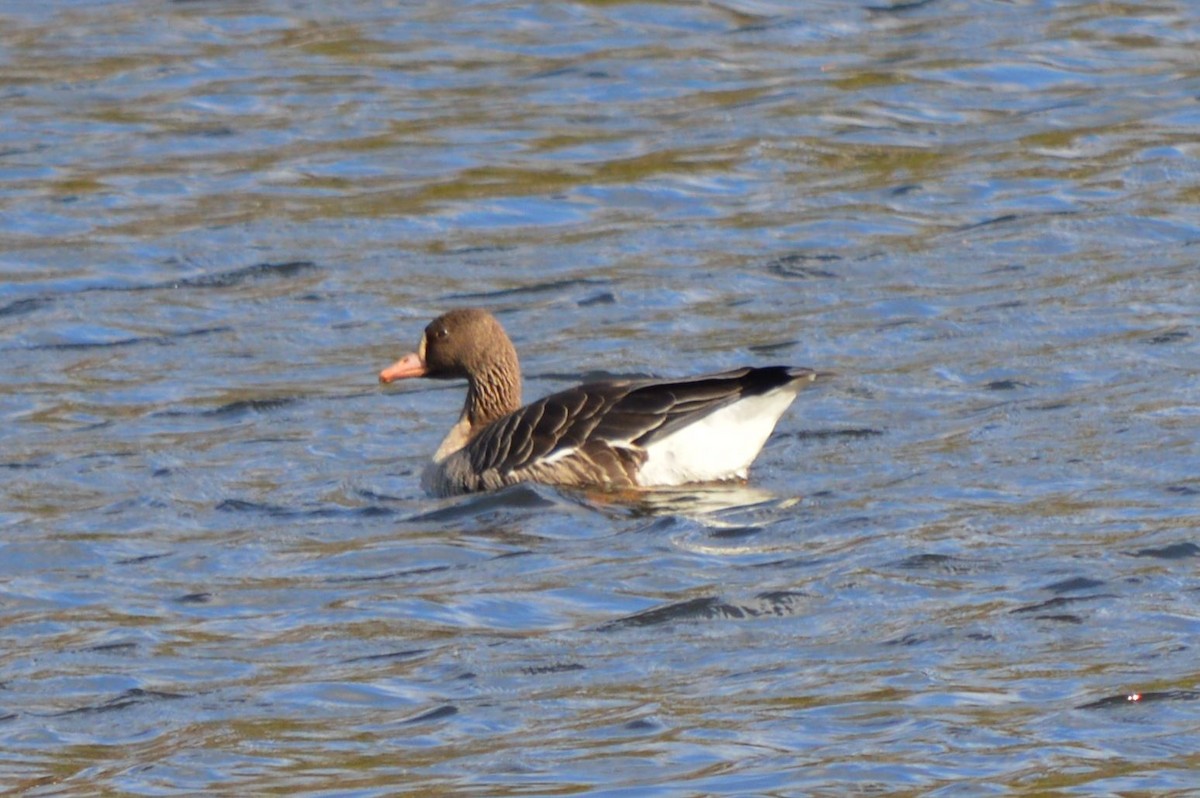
column 611, row 434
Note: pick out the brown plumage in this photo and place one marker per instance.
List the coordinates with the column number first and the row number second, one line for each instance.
column 616, row 433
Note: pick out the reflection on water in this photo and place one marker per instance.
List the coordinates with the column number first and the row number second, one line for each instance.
column 967, row 562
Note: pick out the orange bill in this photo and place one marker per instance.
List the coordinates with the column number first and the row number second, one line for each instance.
column 405, row 368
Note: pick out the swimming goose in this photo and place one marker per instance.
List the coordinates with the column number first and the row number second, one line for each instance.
column 611, row 434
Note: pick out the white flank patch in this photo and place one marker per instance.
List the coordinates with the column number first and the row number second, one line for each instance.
column 719, row 446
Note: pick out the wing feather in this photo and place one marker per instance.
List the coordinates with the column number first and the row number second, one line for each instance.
column 602, row 428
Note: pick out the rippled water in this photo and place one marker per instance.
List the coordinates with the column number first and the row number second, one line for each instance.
column 967, row 565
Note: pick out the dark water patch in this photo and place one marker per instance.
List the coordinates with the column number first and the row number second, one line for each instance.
column 912, row 639
column 928, row 561
column 401, row 574
column 1005, row 385
column 767, row 349
column 370, row 511
column 909, row 639
column 279, row 511
column 132, row 697
column 777, row 603
column 23, row 306
column 1007, row 268
column 198, row 331
column 141, row 559
column 995, row 220
column 483, row 249
column 235, row 277
column 1173, row 551
column 1062, row 617
column 1059, row 601
column 705, row 607
column 899, row 8
column 600, row 298
column 552, row 286
column 440, row 713
column 557, row 72
column 20, row 466
column 208, row 132
column 769, row 24
column 1183, row 490
column 643, row 725
column 1009, row 218
column 242, row 506
column 1169, row 337
column 557, row 667
column 390, row 656
column 111, row 647
column 1141, row 699
column 944, row 563
column 780, row 602
column 822, row 434
column 154, row 340
column 194, row 598
column 1073, row 585
column 799, row 266
column 117, row 454
column 245, row 406
column 592, row 74
column 225, row 279
column 896, row 324
column 735, row 532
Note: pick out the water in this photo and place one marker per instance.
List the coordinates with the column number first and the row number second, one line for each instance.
column 967, row 565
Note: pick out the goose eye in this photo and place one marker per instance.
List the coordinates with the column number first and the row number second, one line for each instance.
column 437, row 333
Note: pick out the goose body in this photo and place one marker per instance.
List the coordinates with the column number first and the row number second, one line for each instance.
column 610, row 434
